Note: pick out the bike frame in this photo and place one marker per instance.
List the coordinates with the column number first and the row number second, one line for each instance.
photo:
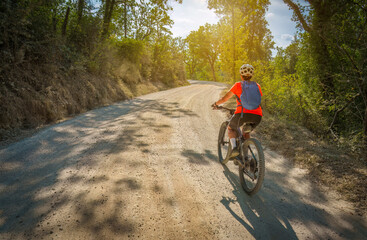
column 241, row 140
column 251, row 161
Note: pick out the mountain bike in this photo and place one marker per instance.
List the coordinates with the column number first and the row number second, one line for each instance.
column 250, row 161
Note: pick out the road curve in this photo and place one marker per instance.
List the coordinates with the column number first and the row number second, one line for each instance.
column 148, row 169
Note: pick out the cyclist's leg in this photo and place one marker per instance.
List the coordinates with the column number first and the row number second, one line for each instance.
column 254, row 119
column 232, row 133
column 234, row 124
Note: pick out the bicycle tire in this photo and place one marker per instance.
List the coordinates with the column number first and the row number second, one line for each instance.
column 249, row 188
column 223, row 143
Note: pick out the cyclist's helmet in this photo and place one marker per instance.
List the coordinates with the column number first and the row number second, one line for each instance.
column 247, row 70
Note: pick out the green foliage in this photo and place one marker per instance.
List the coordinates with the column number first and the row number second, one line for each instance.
column 241, row 36
column 245, row 37
column 167, row 60
column 95, row 38
column 126, row 43
column 203, row 48
column 286, row 95
column 129, row 49
column 319, row 80
column 332, row 64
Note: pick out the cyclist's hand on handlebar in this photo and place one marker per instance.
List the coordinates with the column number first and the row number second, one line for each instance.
column 214, row 106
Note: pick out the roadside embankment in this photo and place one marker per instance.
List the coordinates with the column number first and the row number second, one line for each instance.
column 38, row 95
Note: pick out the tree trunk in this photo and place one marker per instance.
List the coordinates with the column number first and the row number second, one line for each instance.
column 213, row 70
column 125, row 18
column 107, row 17
column 192, row 67
column 234, row 47
column 365, row 133
column 65, row 23
column 321, row 52
column 54, row 21
column 322, row 15
column 80, row 10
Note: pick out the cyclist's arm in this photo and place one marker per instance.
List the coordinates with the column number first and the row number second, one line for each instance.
column 225, row 98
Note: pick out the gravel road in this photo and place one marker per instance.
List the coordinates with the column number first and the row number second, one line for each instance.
column 148, row 169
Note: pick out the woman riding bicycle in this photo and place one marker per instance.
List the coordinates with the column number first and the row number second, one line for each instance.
column 242, row 115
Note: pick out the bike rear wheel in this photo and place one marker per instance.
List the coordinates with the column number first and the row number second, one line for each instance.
column 223, row 143
column 253, row 170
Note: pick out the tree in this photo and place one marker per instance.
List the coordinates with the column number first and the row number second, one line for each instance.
column 228, row 8
column 204, row 44
column 80, row 9
column 190, row 58
column 245, row 36
column 335, row 34
column 107, row 16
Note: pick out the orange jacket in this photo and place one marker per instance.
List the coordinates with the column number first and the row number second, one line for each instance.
column 237, row 89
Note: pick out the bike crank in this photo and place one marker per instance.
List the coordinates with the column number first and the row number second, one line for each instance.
column 244, row 168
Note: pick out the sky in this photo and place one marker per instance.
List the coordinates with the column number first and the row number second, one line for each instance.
column 192, row 14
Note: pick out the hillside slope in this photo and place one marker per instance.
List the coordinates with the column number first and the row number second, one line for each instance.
column 38, row 95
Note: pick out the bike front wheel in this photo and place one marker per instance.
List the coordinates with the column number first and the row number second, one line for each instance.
column 223, row 143
column 252, row 171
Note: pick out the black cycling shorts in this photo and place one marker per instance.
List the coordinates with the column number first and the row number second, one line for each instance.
column 236, row 120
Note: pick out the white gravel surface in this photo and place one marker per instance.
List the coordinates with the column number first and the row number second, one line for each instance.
column 148, row 169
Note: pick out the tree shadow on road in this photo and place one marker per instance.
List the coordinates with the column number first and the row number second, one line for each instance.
column 263, row 222
column 269, row 213
column 199, row 158
column 32, row 183
column 284, row 200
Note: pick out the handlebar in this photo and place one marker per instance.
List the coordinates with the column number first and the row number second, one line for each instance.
column 231, row 111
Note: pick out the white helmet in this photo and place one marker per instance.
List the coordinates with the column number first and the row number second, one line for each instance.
column 247, row 70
